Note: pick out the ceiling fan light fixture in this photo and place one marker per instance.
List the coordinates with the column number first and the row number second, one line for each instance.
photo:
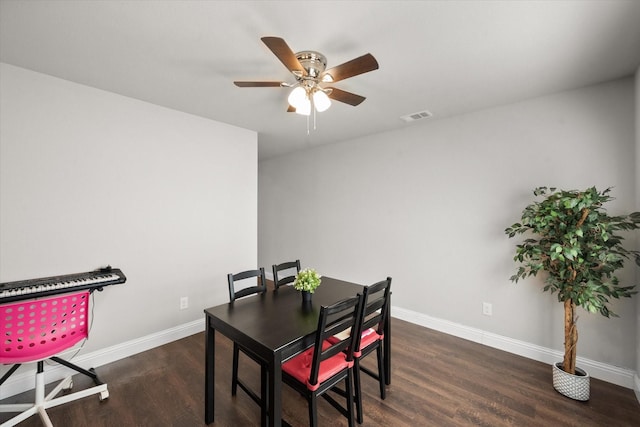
column 297, row 97
column 304, row 107
column 321, row 101
column 310, row 71
column 304, row 110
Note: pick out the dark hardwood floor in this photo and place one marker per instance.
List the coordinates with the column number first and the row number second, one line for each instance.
column 438, row 380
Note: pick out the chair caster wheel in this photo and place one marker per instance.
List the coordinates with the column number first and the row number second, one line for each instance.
column 104, row 395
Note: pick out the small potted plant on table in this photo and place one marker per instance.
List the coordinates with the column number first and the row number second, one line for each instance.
column 307, row 281
column 576, row 243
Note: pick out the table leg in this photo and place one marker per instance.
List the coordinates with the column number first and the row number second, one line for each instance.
column 264, row 393
column 275, row 391
column 209, row 372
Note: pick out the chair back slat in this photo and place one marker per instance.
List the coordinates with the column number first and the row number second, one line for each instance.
column 277, row 268
column 375, row 307
column 343, row 315
column 259, row 288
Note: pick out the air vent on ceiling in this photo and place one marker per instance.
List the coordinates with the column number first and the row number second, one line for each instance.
column 416, row 116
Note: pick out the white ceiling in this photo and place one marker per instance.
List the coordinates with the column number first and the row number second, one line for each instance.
column 448, row 57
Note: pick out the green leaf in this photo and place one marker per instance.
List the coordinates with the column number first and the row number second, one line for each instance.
column 579, row 262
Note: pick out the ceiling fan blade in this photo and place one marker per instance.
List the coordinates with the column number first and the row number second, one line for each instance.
column 258, row 84
column 281, row 49
column 360, row 65
column 346, row 97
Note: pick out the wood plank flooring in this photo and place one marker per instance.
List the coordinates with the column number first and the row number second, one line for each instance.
column 437, row 380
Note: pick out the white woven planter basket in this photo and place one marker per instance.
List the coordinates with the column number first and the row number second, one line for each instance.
column 576, row 387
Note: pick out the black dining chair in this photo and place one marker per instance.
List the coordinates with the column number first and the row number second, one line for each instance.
column 316, row 371
column 374, row 315
column 257, row 285
column 280, row 279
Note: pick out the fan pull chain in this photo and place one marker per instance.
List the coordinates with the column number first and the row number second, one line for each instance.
column 314, row 117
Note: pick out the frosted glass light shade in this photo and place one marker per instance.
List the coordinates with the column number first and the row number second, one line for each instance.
column 297, row 97
column 321, row 101
column 299, row 100
column 304, row 108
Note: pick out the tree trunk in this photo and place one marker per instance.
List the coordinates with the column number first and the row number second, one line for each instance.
column 570, row 337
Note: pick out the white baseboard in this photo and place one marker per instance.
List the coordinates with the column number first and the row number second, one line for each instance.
column 24, row 378
column 613, row 374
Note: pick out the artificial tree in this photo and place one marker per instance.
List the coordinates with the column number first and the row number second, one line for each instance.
column 579, row 247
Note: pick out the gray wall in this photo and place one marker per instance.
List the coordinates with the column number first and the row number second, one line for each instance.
column 89, row 178
column 427, row 205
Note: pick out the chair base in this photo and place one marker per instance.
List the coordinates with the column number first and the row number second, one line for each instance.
column 237, row 382
column 330, row 386
column 43, row 402
column 357, row 369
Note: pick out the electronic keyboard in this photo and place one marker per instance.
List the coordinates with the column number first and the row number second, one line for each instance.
column 35, row 288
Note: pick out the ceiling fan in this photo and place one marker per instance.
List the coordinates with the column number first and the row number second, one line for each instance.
column 310, row 91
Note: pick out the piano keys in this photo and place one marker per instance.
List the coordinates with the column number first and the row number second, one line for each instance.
column 35, row 288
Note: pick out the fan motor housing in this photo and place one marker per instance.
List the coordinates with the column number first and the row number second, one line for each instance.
column 314, row 63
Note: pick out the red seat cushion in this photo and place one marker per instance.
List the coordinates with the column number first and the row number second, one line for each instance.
column 369, row 336
column 299, row 367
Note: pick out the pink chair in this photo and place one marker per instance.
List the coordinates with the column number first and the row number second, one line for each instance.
column 38, row 329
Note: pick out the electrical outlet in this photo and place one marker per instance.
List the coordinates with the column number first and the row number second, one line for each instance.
column 184, row 303
column 487, row 309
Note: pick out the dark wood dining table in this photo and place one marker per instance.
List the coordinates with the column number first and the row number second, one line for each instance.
column 275, row 326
